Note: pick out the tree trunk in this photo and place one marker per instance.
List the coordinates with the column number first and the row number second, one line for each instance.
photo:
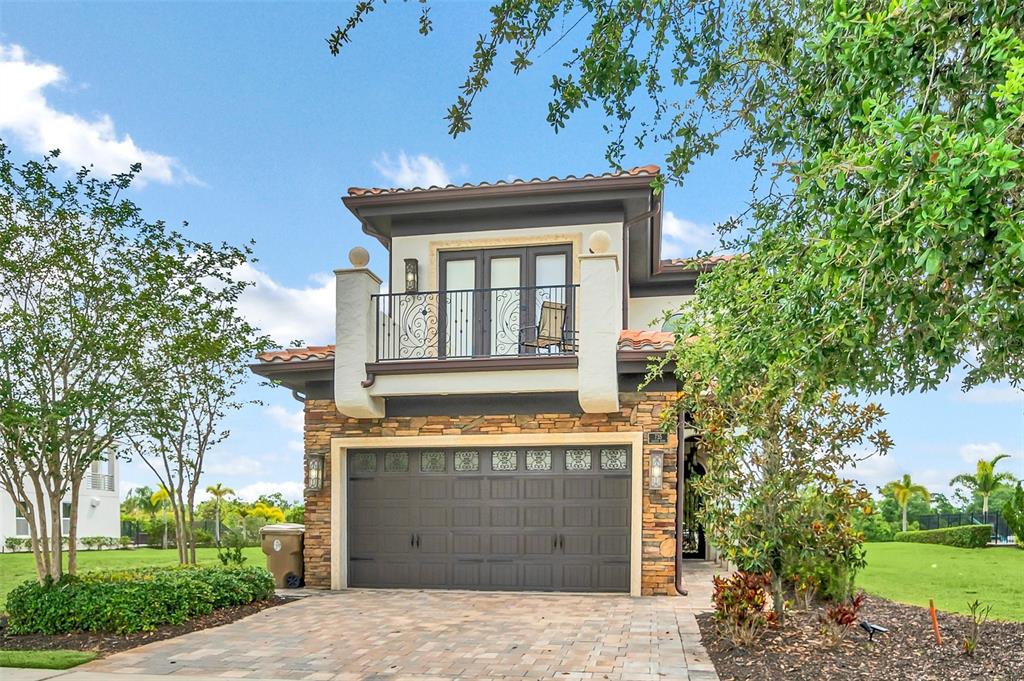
column 216, row 524
column 76, row 484
column 904, row 509
column 165, row 529
column 984, row 505
column 56, row 554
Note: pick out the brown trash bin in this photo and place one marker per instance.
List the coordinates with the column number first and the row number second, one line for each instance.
column 283, row 545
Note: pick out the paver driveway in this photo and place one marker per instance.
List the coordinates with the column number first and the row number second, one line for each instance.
column 369, row 634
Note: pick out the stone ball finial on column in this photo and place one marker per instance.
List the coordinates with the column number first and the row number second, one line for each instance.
column 359, row 257
column 599, row 242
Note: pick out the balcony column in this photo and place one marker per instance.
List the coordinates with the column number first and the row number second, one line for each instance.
column 600, row 310
column 355, row 337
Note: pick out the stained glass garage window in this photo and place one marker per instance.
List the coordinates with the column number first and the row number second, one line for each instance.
column 466, row 462
column 504, row 460
column 613, row 459
column 432, row 462
column 538, row 459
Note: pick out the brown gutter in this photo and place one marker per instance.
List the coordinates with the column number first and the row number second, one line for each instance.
column 680, row 504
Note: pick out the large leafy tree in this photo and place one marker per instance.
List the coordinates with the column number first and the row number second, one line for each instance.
column 81, row 287
column 985, row 480
column 886, row 138
column 116, row 330
column 902, row 491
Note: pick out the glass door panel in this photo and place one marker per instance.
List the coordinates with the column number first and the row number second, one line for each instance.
column 460, row 317
column 550, row 306
column 503, row 309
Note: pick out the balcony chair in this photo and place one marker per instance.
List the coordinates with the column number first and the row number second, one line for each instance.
column 550, row 329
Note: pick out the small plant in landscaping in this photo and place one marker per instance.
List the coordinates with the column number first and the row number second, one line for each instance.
column 979, row 615
column 839, row 618
column 740, row 606
column 232, row 553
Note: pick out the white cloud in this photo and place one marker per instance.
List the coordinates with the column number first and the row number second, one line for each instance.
column 289, row 420
column 681, row 238
column 992, row 394
column 26, row 113
column 412, row 171
column 233, row 465
column 285, row 313
column 973, row 451
column 291, row 490
column 876, row 471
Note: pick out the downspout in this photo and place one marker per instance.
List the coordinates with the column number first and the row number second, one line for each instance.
column 680, row 472
column 649, row 215
column 299, row 396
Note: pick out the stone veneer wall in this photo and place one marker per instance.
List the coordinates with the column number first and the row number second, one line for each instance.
column 639, row 412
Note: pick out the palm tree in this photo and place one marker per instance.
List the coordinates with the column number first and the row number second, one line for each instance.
column 219, row 492
column 903, row 491
column 160, row 499
column 985, row 480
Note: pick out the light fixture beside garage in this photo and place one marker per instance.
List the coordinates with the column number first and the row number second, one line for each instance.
column 314, row 472
column 657, row 468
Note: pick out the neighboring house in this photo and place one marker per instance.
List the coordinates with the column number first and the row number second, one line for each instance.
column 477, row 424
column 99, row 507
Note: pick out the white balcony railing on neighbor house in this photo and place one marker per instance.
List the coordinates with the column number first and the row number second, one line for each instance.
column 101, row 481
column 517, row 321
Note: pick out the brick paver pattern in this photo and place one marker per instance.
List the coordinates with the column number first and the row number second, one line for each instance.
column 404, row 634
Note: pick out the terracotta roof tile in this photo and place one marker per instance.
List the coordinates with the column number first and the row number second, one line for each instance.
column 706, row 261
column 638, row 339
column 629, row 339
column 651, row 170
column 297, row 354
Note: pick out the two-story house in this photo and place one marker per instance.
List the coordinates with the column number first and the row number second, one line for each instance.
column 477, row 424
column 99, row 507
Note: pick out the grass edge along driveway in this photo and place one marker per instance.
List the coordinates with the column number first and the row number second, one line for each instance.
column 953, row 577
column 16, row 568
column 45, row 659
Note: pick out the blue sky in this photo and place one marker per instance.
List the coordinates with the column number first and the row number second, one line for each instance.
column 248, row 128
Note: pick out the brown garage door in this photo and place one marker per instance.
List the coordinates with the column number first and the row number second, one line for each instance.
column 530, row 518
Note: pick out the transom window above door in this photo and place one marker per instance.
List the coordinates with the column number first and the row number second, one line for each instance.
column 494, row 302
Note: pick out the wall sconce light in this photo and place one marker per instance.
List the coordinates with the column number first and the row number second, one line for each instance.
column 412, row 275
column 657, row 468
column 314, row 472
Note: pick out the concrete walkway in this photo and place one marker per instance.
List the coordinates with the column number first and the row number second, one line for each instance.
column 402, row 634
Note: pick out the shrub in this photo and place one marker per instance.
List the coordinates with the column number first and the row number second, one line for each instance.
column 740, row 606
column 124, row 542
column 130, row 601
column 840, row 617
column 1013, row 513
column 963, row 536
column 17, row 544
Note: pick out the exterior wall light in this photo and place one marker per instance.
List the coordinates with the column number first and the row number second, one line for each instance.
column 314, row 472
column 412, row 276
column 657, row 468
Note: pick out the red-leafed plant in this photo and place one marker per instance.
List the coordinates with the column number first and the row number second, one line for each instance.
column 741, row 606
column 840, row 617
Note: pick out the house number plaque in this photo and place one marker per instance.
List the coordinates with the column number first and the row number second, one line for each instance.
column 658, row 437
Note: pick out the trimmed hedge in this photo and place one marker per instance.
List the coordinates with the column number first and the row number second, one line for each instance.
column 963, row 536
column 130, row 601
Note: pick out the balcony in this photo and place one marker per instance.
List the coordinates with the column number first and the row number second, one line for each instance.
column 101, row 481
column 486, row 341
column 522, row 322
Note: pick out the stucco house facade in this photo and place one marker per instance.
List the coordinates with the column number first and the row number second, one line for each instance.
column 99, row 506
column 477, row 423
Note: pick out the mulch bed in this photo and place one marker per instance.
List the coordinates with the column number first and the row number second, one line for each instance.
column 801, row 652
column 105, row 643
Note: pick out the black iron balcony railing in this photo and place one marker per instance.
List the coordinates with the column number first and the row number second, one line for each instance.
column 493, row 322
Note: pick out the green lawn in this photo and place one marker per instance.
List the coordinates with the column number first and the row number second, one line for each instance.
column 17, row 567
column 913, row 573
column 44, row 659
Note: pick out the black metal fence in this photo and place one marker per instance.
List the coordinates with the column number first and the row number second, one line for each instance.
column 134, row 530
column 934, row 521
column 493, row 322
